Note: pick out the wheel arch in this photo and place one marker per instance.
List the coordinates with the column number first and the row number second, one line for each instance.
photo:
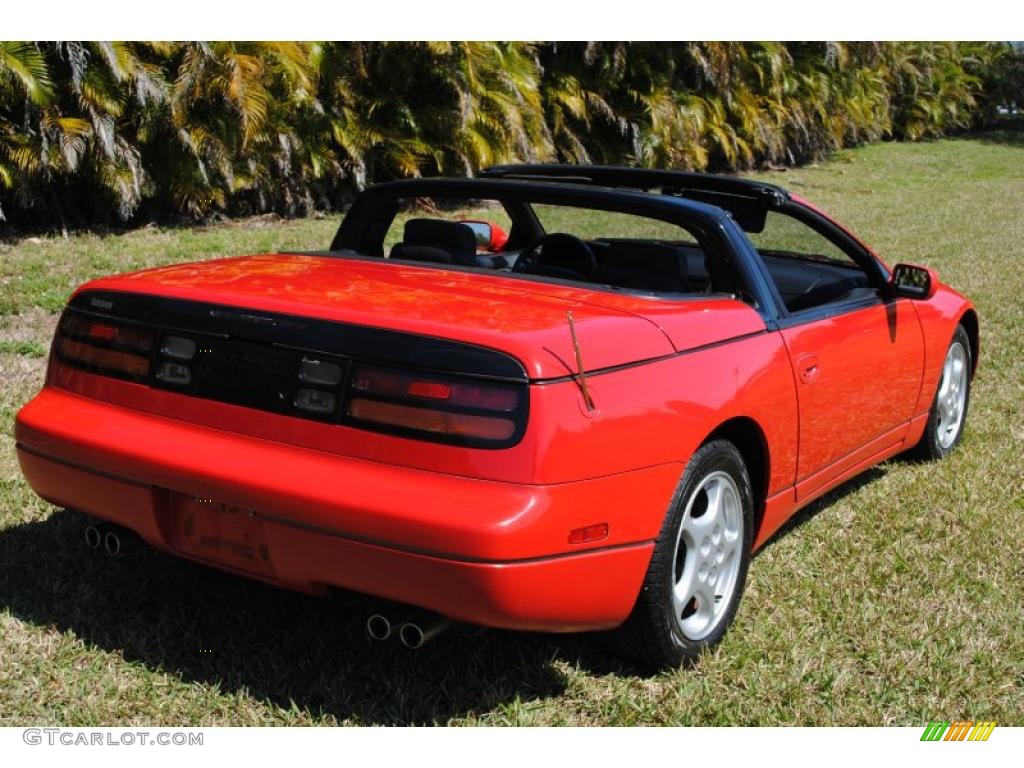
column 748, row 437
column 969, row 320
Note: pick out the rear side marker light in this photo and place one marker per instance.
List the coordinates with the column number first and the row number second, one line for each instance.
column 178, row 348
column 174, row 373
column 107, row 359
column 320, row 372
column 315, row 401
column 589, row 533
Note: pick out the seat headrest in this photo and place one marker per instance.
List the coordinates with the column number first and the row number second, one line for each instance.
column 452, row 236
column 644, row 266
column 653, row 257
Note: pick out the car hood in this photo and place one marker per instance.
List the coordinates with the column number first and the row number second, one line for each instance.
column 524, row 317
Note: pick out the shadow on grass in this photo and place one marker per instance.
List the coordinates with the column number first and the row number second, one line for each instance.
column 284, row 648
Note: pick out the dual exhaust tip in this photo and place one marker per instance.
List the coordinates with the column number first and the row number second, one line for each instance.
column 111, row 539
column 412, row 633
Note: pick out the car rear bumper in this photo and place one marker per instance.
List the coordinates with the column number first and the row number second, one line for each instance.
column 479, row 551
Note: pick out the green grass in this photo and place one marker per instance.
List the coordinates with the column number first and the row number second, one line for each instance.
column 896, row 600
column 26, row 348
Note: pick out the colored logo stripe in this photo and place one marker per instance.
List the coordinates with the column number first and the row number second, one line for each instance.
column 934, row 731
column 981, row 732
column 959, row 730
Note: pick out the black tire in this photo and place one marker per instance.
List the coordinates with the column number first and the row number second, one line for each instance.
column 651, row 635
column 931, row 447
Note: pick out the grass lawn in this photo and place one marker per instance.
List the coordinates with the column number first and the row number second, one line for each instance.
column 896, row 600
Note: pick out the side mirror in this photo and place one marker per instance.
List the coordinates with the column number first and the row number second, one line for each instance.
column 913, row 282
column 489, row 236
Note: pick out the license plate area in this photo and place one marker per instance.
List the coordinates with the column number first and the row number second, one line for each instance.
column 218, row 532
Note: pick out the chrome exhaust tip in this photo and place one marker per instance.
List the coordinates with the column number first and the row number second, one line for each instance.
column 118, row 540
column 379, row 627
column 93, row 537
column 415, row 635
column 411, row 635
column 112, row 543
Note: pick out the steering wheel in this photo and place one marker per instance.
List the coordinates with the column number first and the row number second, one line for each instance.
column 557, row 255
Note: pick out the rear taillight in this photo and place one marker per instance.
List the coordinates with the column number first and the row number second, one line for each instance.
column 451, row 409
column 104, row 346
column 104, row 359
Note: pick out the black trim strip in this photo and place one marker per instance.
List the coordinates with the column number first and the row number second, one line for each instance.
column 80, row 467
column 334, row 532
column 636, row 178
column 650, row 360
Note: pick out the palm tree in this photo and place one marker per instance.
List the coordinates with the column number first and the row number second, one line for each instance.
column 93, row 131
column 225, row 133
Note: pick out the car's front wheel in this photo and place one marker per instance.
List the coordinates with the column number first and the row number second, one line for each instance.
column 948, row 415
column 696, row 576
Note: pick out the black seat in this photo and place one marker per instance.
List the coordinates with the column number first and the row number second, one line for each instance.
column 438, row 241
column 643, row 267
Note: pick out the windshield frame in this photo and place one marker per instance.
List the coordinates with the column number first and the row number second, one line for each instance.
column 364, row 227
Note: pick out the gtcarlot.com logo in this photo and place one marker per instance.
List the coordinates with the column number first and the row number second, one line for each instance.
column 960, row 730
column 75, row 737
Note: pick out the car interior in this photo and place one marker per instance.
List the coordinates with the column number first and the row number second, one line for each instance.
column 635, row 264
column 442, row 242
column 804, row 281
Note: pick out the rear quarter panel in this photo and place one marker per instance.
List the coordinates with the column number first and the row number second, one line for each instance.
column 661, row 412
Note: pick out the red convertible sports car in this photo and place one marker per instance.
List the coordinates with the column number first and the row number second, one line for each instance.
column 552, row 398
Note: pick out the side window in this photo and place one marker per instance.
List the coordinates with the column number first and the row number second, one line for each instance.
column 784, row 235
column 808, row 269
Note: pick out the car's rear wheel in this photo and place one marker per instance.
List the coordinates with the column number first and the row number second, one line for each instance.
column 948, row 415
column 699, row 567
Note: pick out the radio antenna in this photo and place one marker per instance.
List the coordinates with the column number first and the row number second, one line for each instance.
column 581, row 376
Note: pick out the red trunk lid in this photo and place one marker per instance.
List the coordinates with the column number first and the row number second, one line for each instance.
column 525, row 318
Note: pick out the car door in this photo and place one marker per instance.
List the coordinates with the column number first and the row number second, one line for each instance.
column 858, row 374
column 857, row 357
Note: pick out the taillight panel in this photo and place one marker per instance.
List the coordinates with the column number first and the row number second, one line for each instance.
column 470, row 412
column 115, row 349
column 470, row 409
column 103, row 360
column 408, row 385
